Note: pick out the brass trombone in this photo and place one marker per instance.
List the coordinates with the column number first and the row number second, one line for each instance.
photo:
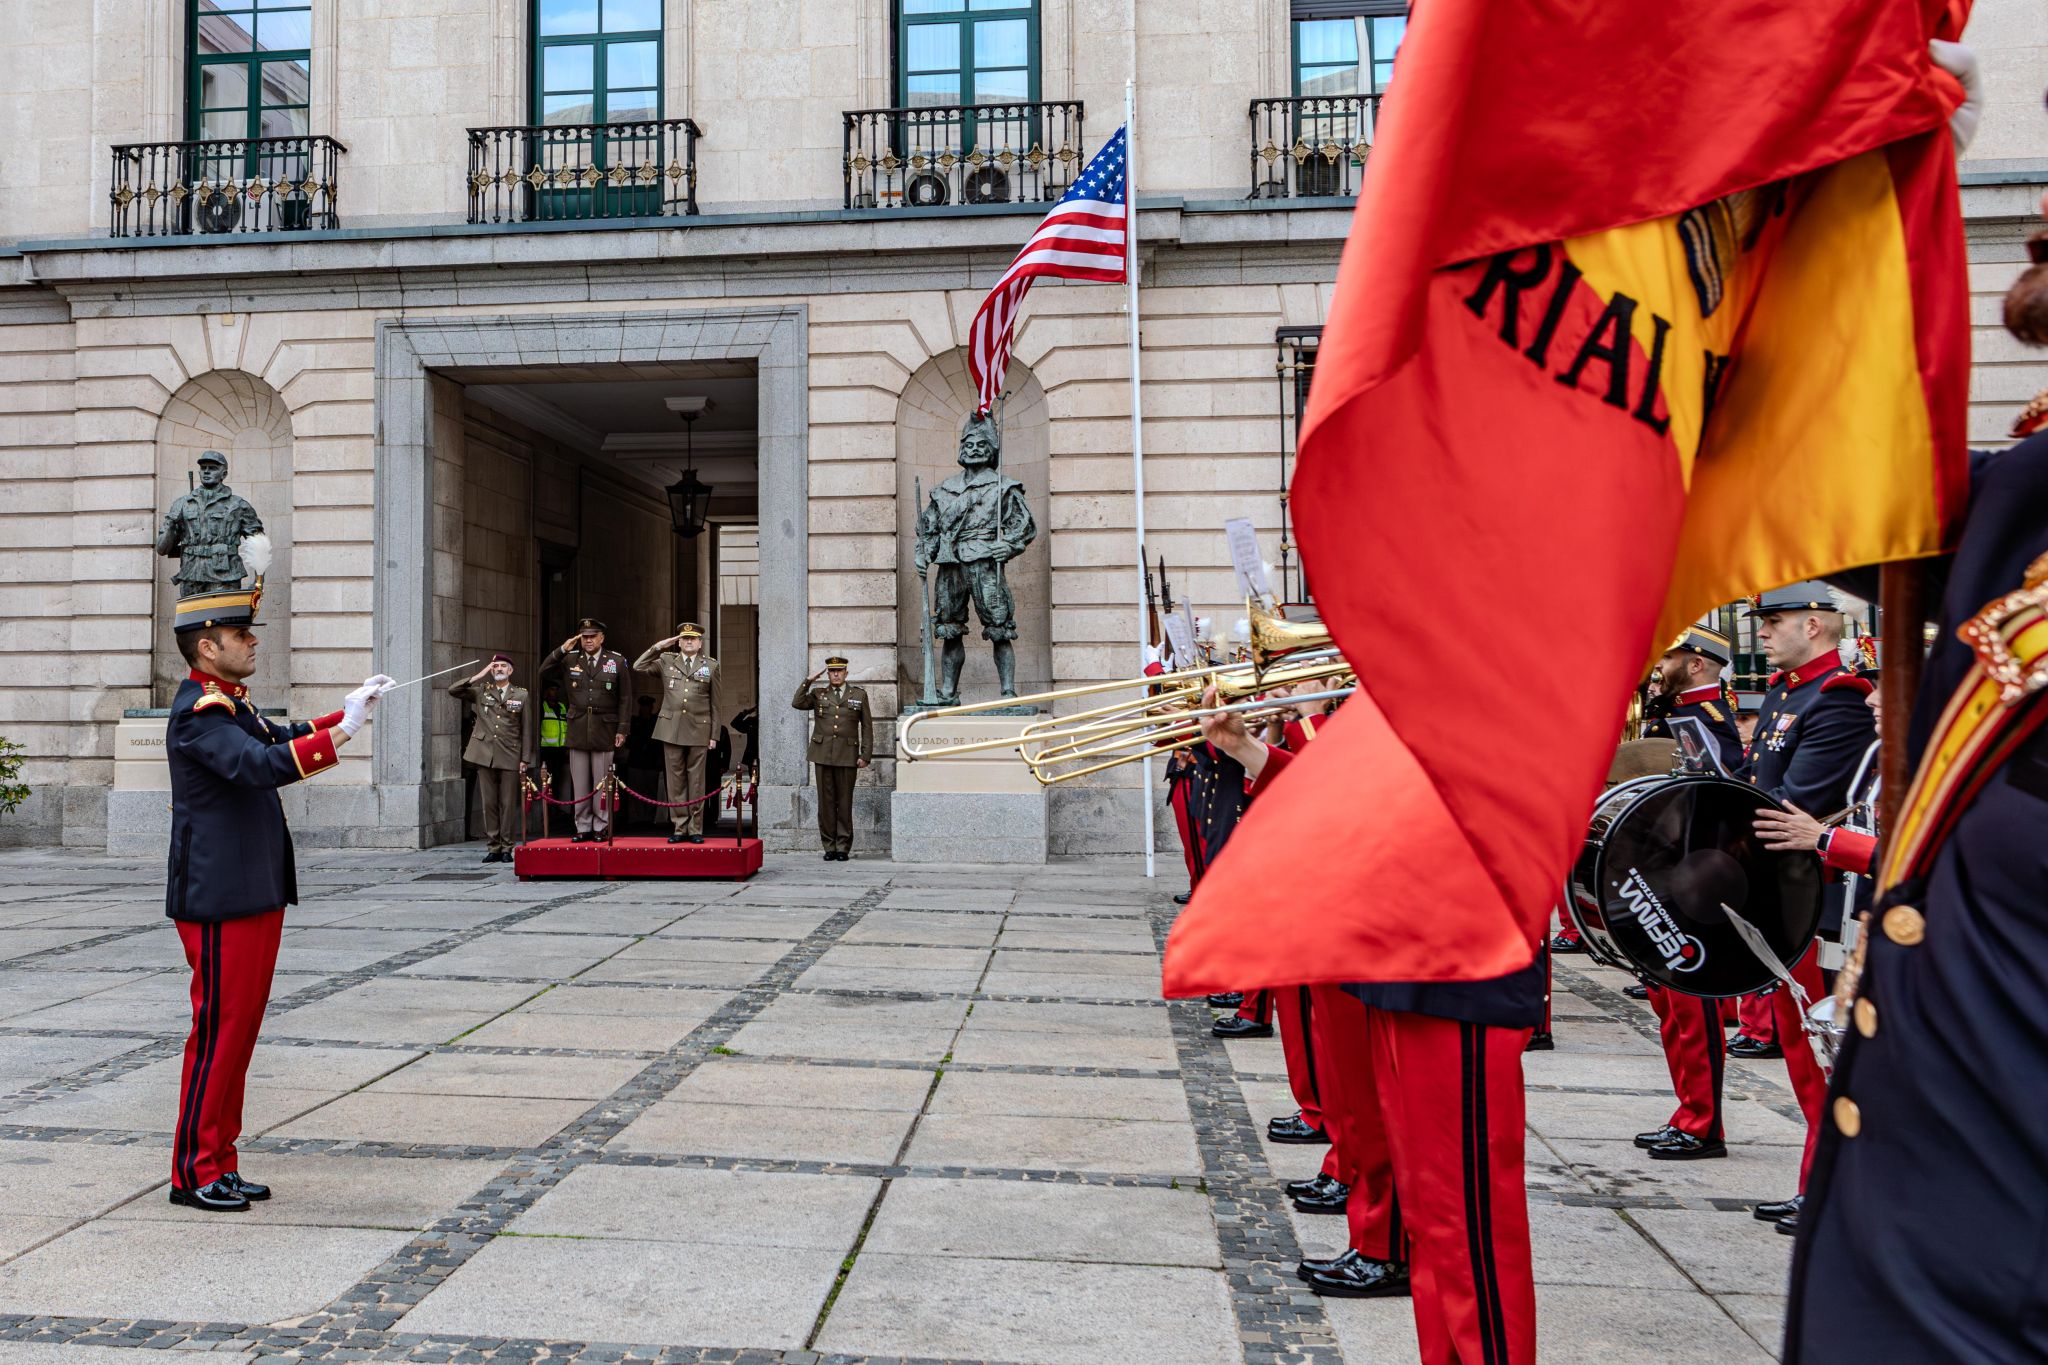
column 1167, row 713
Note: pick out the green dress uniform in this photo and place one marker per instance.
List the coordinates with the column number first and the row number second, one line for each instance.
column 689, row 707
column 594, row 688
column 842, row 738
column 501, row 741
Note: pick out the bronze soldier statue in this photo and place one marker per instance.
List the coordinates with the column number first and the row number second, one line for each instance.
column 203, row 531
column 973, row 524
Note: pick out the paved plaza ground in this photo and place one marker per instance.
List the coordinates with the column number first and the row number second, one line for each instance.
column 843, row 1111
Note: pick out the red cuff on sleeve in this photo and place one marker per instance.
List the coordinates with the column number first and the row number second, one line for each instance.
column 314, row 753
column 1851, row 851
column 1276, row 763
column 328, row 721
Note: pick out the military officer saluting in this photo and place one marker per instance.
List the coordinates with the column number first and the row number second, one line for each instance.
column 500, row 748
column 689, row 709
column 594, row 687
column 231, row 873
column 1689, row 687
column 842, row 742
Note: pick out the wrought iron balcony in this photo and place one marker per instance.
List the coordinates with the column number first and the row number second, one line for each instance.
column 583, row 170
column 1311, row 146
column 230, row 185
column 940, row 154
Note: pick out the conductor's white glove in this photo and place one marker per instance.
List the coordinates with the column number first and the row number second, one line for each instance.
column 1960, row 61
column 357, row 706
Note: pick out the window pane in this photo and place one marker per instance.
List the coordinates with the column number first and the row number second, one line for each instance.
column 223, row 85
column 930, row 6
column 556, row 110
column 922, row 91
column 286, row 83
column 629, row 106
column 998, row 4
column 285, row 123
column 1329, row 80
column 567, row 67
column 223, row 32
column 1002, row 42
column 224, row 123
column 631, row 16
column 291, row 31
column 932, row 47
column 280, row 4
column 1326, row 42
column 629, row 65
column 1002, row 87
column 567, row 16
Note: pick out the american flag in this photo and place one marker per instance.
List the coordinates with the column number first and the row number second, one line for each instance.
column 1081, row 239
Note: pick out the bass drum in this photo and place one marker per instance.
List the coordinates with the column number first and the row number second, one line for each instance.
column 1662, row 857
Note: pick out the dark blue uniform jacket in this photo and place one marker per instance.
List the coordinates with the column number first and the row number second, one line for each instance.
column 231, row 854
column 1810, row 733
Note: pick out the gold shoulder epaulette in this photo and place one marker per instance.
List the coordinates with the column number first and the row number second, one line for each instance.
column 1712, row 709
column 214, row 697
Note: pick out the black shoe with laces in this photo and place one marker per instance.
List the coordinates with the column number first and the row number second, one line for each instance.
column 1686, row 1147
column 1237, row 1026
column 1359, row 1277
column 248, row 1189
column 1753, row 1049
column 1296, row 1129
column 219, row 1197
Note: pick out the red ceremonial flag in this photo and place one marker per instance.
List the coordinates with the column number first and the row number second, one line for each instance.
column 1645, row 307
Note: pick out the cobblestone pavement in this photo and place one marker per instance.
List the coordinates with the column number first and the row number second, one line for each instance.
column 841, row 1112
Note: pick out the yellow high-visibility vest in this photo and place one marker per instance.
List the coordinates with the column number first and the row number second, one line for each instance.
column 554, row 725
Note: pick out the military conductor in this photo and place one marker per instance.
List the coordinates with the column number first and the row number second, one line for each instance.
column 500, row 748
column 689, row 707
column 231, row 873
column 842, row 742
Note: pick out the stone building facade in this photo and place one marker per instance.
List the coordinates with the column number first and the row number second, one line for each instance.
column 443, row 381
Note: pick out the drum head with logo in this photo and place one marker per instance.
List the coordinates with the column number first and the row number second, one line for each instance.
column 1670, row 861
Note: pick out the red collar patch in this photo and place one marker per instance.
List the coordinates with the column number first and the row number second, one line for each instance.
column 1813, row 668
column 1710, row 692
column 205, row 679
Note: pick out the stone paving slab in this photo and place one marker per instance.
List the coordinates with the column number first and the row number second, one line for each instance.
column 1045, row 1222
column 335, row 1191
column 721, row 1208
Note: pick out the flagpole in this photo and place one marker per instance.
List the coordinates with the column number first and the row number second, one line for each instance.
column 1137, row 416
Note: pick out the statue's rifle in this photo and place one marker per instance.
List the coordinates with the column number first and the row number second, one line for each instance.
column 924, row 605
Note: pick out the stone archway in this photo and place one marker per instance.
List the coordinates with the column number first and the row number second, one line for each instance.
column 934, row 403
column 246, row 420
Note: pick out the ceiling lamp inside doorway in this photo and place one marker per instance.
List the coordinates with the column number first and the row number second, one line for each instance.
column 689, row 498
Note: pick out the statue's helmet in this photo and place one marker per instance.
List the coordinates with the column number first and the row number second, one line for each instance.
column 981, row 427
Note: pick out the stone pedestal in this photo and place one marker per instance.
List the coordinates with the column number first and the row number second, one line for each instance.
column 977, row 808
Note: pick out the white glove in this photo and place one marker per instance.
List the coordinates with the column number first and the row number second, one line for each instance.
column 356, row 707
column 1960, row 61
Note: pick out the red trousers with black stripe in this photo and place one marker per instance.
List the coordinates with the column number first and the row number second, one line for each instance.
column 1190, row 836
column 1809, row 1082
column 1293, row 1006
column 1359, row 1155
column 1257, row 1007
column 1691, row 1031
column 1451, row 1093
column 231, row 966
column 1757, row 1017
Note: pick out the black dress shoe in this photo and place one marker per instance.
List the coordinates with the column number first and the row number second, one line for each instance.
column 1296, row 1129
column 1779, row 1210
column 1540, row 1042
column 831, row 857
column 1636, row 992
column 1359, row 1278
column 1655, row 1136
column 492, row 856
column 1311, row 1265
column 219, row 1197
column 1183, row 898
column 1330, row 1199
column 1226, row 1000
column 1561, row 944
column 694, row 839
column 675, row 838
column 1237, row 1026
column 1789, row 1226
column 1686, row 1147
column 1315, row 1184
column 248, row 1189
column 1752, row 1049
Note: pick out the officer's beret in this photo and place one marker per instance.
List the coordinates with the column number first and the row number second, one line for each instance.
column 1708, row 644
column 1810, row 595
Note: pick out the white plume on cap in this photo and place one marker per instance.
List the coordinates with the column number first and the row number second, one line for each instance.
column 256, row 552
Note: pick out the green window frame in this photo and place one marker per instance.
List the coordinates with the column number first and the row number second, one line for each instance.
column 597, row 62
column 1345, row 54
column 249, row 67
column 966, row 52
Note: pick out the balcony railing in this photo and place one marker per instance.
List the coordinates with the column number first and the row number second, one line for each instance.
column 583, row 170
column 1311, row 146
column 231, row 185
column 936, row 155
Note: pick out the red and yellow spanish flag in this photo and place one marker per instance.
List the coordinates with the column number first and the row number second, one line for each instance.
column 1644, row 308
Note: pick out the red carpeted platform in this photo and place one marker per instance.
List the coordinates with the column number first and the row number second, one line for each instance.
column 626, row 858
